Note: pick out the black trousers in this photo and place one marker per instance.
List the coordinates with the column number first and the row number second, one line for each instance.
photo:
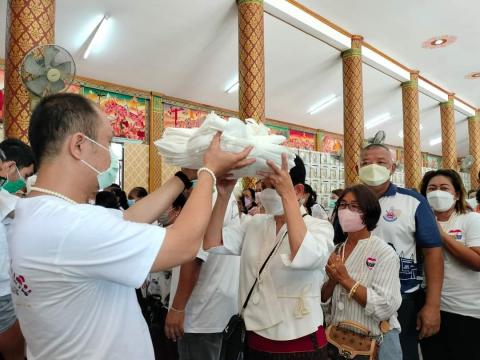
column 407, row 316
column 458, row 339
column 319, row 354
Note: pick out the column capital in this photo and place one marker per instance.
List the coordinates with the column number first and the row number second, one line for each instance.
column 357, row 41
column 411, row 83
column 448, row 103
column 351, row 52
column 473, row 118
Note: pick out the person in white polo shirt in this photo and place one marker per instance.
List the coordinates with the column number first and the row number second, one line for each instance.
column 203, row 297
column 460, row 303
column 407, row 223
column 75, row 266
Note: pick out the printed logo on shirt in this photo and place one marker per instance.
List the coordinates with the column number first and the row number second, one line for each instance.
column 457, row 233
column 392, row 215
column 408, row 268
column 19, row 284
column 371, row 263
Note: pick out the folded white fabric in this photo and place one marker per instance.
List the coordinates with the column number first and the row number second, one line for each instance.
column 186, row 147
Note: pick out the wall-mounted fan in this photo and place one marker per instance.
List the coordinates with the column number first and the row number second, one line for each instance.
column 466, row 163
column 379, row 138
column 47, row 70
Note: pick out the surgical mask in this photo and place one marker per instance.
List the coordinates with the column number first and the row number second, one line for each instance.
column 272, row 202
column 13, row 186
column 248, row 202
column 332, row 203
column 131, row 202
column 440, row 200
column 350, row 221
column 374, row 175
column 107, row 177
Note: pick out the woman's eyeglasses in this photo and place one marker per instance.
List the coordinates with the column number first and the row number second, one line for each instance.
column 351, row 206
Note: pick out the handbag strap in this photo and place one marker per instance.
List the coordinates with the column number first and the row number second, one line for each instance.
column 263, row 267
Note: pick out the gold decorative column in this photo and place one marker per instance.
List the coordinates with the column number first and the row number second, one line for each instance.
column 411, row 132
column 474, row 145
column 352, row 108
column 29, row 23
column 251, row 60
column 449, row 139
column 251, row 65
column 154, row 158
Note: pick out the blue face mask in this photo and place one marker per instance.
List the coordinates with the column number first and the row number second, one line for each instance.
column 13, row 186
column 107, row 177
column 131, row 202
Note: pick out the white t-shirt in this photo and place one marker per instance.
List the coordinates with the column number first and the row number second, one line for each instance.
column 214, row 298
column 7, row 205
column 74, row 273
column 461, row 285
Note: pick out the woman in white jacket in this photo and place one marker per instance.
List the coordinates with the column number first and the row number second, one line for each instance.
column 283, row 317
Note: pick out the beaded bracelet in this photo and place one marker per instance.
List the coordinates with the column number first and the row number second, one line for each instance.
column 353, row 289
column 210, row 172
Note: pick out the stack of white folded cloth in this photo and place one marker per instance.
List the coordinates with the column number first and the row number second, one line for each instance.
column 186, row 147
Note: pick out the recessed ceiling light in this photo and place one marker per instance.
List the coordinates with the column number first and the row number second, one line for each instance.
column 439, row 42
column 324, row 103
column 378, row 120
column 473, row 76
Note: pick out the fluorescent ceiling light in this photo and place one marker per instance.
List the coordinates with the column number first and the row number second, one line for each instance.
column 329, row 100
column 436, row 141
column 378, row 120
column 400, row 134
column 96, row 33
column 232, row 87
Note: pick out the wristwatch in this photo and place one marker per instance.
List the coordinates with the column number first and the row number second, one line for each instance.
column 186, row 181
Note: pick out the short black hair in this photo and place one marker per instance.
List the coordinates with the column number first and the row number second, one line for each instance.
column 477, row 196
column 139, row 192
column 16, row 150
column 298, row 173
column 107, row 199
column 56, row 117
column 121, row 196
column 367, row 202
column 461, row 205
column 312, row 198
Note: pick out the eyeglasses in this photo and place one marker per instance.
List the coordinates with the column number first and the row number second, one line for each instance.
column 351, row 206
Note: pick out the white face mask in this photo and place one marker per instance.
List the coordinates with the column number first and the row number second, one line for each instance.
column 440, row 200
column 272, row 202
column 374, row 175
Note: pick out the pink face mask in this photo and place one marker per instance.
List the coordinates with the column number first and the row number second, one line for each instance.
column 350, row 221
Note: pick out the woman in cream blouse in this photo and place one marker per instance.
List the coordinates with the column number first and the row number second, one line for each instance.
column 283, row 317
column 363, row 284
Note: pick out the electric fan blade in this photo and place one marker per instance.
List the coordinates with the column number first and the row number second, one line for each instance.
column 56, row 87
column 32, row 67
column 38, row 85
column 65, row 68
column 49, row 56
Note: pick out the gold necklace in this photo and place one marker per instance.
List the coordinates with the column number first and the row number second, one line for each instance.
column 53, row 193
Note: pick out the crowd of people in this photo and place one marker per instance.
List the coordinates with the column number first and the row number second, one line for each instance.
column 88, row 271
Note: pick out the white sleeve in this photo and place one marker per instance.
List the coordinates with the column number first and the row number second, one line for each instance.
column 472, row 230
column 315, row 248
column 318, row 212
column 383, row 296
column 102, row 245
column 233, row 237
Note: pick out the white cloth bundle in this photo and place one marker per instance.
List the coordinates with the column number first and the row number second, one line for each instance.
column 186, row 147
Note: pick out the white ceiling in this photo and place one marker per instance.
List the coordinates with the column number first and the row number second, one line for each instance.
column 188, row 49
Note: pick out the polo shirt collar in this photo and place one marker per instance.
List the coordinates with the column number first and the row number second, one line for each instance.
column 391, row 191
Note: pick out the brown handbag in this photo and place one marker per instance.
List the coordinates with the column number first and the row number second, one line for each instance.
column 345, row 343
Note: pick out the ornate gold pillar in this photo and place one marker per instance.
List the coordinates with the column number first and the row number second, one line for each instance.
column 29, row 23
column 474, row 145
column 251, row 64
column 352, row 108
column 449, row 139
column 251, row 60
column 411, row 132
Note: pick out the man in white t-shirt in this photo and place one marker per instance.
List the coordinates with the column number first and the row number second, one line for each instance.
column 17, row 166
column 203, row 297
column 75, row 266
